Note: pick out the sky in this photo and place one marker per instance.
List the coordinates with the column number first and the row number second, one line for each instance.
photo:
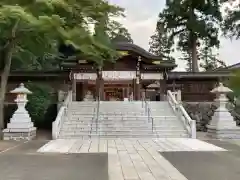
column 141, row 18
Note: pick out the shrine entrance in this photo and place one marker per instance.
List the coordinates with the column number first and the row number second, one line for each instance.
column 117, row 91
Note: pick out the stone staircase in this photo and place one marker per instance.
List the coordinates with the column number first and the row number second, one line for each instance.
column 165, row 121
column 120, row 119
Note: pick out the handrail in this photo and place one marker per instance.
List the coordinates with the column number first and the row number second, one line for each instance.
column 97, row 115
column 189, row 123
column 148, row 112
column 62, row 114
column 93, row 120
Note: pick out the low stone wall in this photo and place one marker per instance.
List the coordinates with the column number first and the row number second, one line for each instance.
column 202, row 112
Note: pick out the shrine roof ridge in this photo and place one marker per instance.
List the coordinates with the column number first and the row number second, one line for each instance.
column 126, row 46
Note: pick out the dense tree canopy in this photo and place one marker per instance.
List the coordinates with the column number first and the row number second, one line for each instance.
column 209, row 59
column 231, row 23
column 119, row 33
column 196, row 20
column 160, row 43
column 32, row 29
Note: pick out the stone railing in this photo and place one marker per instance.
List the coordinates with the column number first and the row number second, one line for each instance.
column 61, row 116
column 189, row 123
column 178, row 95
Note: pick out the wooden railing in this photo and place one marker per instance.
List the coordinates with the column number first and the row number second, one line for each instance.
column 189, row 123
column 61, row 116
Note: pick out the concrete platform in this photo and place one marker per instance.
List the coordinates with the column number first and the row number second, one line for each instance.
column 133, row 159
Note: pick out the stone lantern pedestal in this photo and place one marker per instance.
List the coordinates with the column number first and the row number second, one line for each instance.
column 20, row 125
column 222, row 125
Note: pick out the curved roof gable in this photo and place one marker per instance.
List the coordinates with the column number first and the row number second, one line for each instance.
column 126, row 46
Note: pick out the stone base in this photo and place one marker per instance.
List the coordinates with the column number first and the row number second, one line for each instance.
column 19, row 134
column 230, row 133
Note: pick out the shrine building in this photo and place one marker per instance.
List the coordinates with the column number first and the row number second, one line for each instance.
column 137, row 74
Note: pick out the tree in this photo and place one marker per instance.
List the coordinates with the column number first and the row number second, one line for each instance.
column 160, row 43
column 234, row 82
column 197, row 19
column 231, row 23
column 209, row 60
column 118, row 33
column 33, row 29
column 186, row 56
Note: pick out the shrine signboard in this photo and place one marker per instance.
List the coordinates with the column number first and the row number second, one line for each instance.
column 151, row 76
column 85, row 76
column 118, row 75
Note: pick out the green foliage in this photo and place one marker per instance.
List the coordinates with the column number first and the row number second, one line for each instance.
column 186, row 56
column 160, row 43
column 231, row 23
column 118, row 33
column 31, row 31
column 41, row 24
column 190, row 21
column 234, row 83
column 209, row 60
column 39, row 102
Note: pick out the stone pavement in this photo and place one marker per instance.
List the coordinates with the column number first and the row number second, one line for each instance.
column 120, row 159
column 133, row 159
column 23, row 162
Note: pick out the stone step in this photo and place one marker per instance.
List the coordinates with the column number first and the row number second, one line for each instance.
column 123, row 117
column 113, row 125
column 130, row 128
column 121, row 114
column 83, row 136
column 94, row 120
column 122, row 125
column 123, row 133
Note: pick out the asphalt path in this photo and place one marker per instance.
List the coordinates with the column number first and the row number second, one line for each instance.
column 21, row 161
column 208, row 165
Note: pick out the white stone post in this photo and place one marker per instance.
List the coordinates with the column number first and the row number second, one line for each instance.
column 222, row 124
column 179, row 95
column 20, row 126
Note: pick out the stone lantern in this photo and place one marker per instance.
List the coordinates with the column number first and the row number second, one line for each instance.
column 222, row 124
column 20, row 125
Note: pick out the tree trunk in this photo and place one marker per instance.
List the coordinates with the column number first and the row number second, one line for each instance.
column 4, row 79
column 194, row 55
column 7, row 59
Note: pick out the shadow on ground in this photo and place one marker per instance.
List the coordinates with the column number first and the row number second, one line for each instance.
column 208, row 165
column 24, row 163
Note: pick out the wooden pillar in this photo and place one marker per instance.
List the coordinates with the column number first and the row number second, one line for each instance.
column 101, row 89
column 100, row 86
column 127, row 91
column 74, row 89
column 134, row 89
column 138, row 80
column 138, row 90
column 163, row 89
column 85, row 87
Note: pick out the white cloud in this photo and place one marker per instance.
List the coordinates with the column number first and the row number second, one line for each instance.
column 141, row 19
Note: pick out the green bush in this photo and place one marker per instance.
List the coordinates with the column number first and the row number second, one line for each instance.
column 40, row 105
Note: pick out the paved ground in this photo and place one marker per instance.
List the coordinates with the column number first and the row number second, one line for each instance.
column 6, row 145
column 133, row 159
column 120, row 159
column 24, row 163
column 208, row 165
